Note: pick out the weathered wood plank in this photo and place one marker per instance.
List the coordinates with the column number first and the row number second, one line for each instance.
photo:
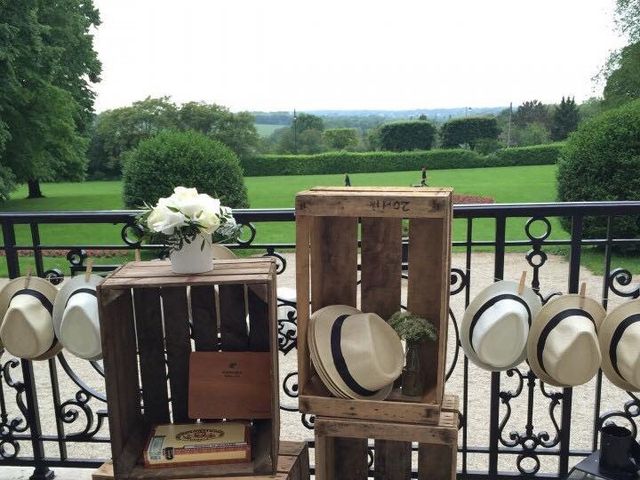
column 233, row 318
column 205, row 319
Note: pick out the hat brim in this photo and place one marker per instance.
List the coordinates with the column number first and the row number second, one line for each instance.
column 34, row 283
column 493, row 290
column 547, row 313
column 332, row 313
column 66, row 291
column 605, row 335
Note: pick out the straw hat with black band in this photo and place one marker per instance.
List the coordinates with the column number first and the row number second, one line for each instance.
column 496, row 324
column 619, row 337
column 26, row 329
column 358, row 352
column 76, row 322
column 563, row 348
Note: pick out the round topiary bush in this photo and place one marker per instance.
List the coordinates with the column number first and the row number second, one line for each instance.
column 600, row 161
column 170, row 159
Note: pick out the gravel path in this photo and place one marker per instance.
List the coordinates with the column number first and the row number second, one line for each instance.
column 553, row 278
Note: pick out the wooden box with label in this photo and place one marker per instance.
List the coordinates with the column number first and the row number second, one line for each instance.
column 159, row 327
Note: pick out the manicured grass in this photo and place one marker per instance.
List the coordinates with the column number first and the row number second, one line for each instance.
column 505, row 185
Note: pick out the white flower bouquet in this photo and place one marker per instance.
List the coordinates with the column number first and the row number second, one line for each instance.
column 185, row 216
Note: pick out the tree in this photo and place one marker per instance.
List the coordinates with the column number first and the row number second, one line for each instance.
column 235, row 130
column 341, row 138
column 565, row 119
column 47, row 64
column 534, row 133
column 306, row 121
column 531, row 111
column 623, row 83
column 627, row 18
column 402, row 136
column 468, row 131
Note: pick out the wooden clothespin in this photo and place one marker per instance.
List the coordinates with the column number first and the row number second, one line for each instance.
column 87, row 273
column 136, row 254
column 523, row 279
column 583, row 291
column 28, row 279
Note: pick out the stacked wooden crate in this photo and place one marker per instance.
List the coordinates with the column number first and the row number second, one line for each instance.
column 151, row 320
column 349, row 252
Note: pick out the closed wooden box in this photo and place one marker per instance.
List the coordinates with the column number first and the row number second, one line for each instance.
column 349, row 251
column 151, row 320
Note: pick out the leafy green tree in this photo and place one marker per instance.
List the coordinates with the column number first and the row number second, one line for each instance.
column 468, row 131
column 236, row 130
column 341, row 138
column 565, row 119
column 532, row 111
column 47, row 62
column 403, row 136
column 534, row 133
column 627, row 18
column 623, row 83
column 306, row 121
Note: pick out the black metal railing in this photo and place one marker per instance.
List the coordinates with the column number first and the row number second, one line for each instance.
column 513, row 426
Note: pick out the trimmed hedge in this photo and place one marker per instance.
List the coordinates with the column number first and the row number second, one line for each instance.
column 403, row 136
column 469, row 130
column 355, row 162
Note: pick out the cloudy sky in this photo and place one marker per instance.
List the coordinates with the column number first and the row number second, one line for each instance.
column 352, row 54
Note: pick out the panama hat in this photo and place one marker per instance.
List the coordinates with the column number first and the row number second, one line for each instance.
column 496, row 324
column 619, row 337
column 26, row 329
column 563, row 344
column 358, row 353
column 75, row 317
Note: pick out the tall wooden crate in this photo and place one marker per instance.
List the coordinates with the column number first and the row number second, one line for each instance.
column 349, row 251
column 151, row 320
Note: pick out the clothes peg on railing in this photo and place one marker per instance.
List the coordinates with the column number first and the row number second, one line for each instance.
column 27, row 280
column 136, row 254
column 87, row 273
column 583, row 291
column 523, row 279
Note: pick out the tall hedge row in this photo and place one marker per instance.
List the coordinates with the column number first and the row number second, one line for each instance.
column 460, row 131
column 403, row 136
column 352, row 162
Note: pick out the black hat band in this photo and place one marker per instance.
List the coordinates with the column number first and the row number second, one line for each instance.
column 341, row 364
column 90, row 291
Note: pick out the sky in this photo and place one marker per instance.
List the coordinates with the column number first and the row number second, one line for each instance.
column 277, row 55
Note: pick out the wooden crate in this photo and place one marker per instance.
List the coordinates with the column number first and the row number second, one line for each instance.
column 328, row 252
column 437, row 447
column 151, row 320
column 293, row 464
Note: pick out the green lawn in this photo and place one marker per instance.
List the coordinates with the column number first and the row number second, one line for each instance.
column 505, row 185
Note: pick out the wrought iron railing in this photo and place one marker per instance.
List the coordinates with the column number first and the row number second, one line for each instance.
column 52, row 414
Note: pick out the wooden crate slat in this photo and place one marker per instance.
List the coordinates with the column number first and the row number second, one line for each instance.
column 205, row 319
column 392, row 460
column 258, row 318
column 437, row 462
column 233, row 318
column 428, row 284
column 176, row 281
column 303, row 294
column 381, row 254
column 119, row 344
column 334, row 260
column 176, row 325
column 351, row 458
column 152, row 360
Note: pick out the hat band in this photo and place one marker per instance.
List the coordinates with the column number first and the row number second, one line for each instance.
column 617, row 336
column 90, row 291
column 341, row 364
column 490, row 303
column 40, row 296
column 553, row 323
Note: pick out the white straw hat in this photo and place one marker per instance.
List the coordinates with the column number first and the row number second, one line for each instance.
column 75, row 317
column 26, row 331
column 619, row 337
column 359, row 353
column 563, row 344
column 496, row 324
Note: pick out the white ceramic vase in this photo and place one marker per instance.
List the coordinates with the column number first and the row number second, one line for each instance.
column 192, row 258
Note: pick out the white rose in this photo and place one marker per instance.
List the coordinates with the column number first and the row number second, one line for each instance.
column 157, row 216
column 169, row 222
column 181, row 193
column 209, row 221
